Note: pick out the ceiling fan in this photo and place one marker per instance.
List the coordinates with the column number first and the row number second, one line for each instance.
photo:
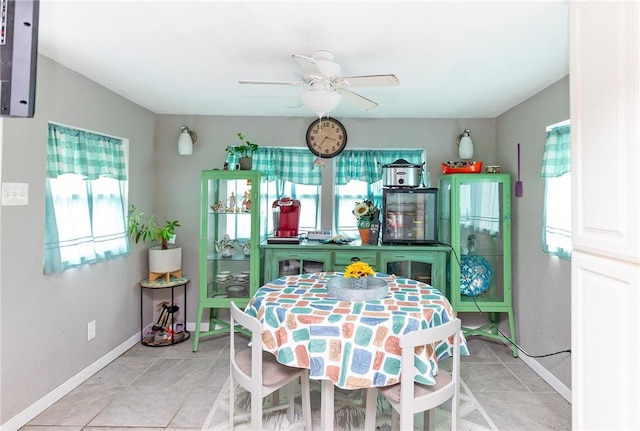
column 326, row 88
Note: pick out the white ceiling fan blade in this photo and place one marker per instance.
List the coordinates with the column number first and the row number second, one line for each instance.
column 293, row 83
column 357, row 100
column 308, row 65
column 389, row 80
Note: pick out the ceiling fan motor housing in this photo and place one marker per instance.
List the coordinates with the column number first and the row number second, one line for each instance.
column 328, row 68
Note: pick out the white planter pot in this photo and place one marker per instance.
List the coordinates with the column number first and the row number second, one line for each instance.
column 162, row 261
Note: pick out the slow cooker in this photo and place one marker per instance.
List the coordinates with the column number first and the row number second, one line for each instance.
column 401, row 173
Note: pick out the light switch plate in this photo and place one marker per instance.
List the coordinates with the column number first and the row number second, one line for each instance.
column 15, row 194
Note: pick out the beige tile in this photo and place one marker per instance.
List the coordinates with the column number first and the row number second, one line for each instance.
column 482, row 377
column 141, row 406
column 79, row 406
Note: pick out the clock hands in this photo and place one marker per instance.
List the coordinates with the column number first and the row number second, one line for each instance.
column 321, row 144
column 325, row 138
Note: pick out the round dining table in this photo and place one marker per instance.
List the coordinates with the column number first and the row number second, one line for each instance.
column 350, row 344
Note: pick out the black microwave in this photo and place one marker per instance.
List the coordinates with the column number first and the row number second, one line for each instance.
column 409, row 215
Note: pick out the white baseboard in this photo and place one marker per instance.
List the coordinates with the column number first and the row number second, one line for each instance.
column 48, row 400
column 545, row 375
column 191, row 326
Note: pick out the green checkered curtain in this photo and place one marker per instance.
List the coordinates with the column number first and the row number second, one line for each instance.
column 286, row 164
column 85, row 220
column 366, row 165
column 72, row 151
column 556, row 159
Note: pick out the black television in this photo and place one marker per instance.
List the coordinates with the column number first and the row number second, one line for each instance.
column 18, row 57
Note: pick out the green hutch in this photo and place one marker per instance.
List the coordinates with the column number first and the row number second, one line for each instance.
column 475, row 220
column 231, row 211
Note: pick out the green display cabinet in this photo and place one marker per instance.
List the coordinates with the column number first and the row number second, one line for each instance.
column 231, row 211
column 475, row 220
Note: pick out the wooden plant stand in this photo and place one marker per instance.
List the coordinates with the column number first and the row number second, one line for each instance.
column 166, row 275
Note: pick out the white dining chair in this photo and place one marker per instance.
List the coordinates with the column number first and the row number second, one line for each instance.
column 260, row 374
column 407, row 397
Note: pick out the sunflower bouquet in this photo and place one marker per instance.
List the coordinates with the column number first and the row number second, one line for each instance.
column 358, row 270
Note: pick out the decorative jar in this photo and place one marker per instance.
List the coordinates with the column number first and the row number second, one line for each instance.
column 359, row 283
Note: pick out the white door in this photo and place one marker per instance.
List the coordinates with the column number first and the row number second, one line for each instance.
column 605, row 122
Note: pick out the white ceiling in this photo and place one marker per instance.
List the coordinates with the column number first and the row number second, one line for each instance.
column 454, row 59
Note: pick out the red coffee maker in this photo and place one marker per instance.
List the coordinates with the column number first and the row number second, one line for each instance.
column 286, row 217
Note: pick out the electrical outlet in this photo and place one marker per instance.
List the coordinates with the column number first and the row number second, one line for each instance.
column 91, row 330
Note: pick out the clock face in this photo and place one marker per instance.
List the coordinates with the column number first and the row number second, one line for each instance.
column 326, row 137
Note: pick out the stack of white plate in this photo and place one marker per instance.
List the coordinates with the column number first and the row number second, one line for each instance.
column 242, row 278
column 289, row 267
column 310, row 267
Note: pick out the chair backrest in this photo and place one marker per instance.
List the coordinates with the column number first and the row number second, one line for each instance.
column 422, row 337
column 431, row 335
column 253, row 381
column 249, row 322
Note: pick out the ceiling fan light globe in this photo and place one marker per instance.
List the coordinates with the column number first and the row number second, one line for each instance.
column 320, row 102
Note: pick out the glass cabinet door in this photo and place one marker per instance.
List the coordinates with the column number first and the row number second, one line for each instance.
column 476, row 221
column 480, row 230
column 285, row 261
column 416, row 264
column 229, row 239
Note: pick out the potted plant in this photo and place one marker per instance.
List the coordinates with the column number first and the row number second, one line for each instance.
column 163, row 260
column 244, row 152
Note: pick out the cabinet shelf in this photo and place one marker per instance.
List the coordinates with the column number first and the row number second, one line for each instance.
column 234, row 258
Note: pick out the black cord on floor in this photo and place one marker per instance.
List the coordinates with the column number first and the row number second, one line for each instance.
column 509, row 339
column 496, row 326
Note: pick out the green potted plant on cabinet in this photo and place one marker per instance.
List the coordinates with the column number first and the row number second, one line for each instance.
column 163, row 259
column 244, row 152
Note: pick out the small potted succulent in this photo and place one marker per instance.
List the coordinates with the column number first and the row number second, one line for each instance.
column 244, row 152
column 163, row 259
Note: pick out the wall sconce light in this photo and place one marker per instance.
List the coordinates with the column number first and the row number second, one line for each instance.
column 465, row 145
column 186, row 140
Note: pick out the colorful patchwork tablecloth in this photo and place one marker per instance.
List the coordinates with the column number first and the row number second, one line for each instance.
column 354, row 344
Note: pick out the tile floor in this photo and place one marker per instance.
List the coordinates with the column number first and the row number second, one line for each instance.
column 172, row 389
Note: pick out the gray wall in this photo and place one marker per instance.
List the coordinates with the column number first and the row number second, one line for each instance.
column 44, row 318
column 179, row 179
column 541, row 284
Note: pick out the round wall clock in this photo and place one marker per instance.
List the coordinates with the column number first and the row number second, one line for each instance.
column 326, row 137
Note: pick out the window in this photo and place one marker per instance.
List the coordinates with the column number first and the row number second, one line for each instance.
column 289, row 174
column 359, row 177
column 85, row 217
column 345, row 198
column 556, row 171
